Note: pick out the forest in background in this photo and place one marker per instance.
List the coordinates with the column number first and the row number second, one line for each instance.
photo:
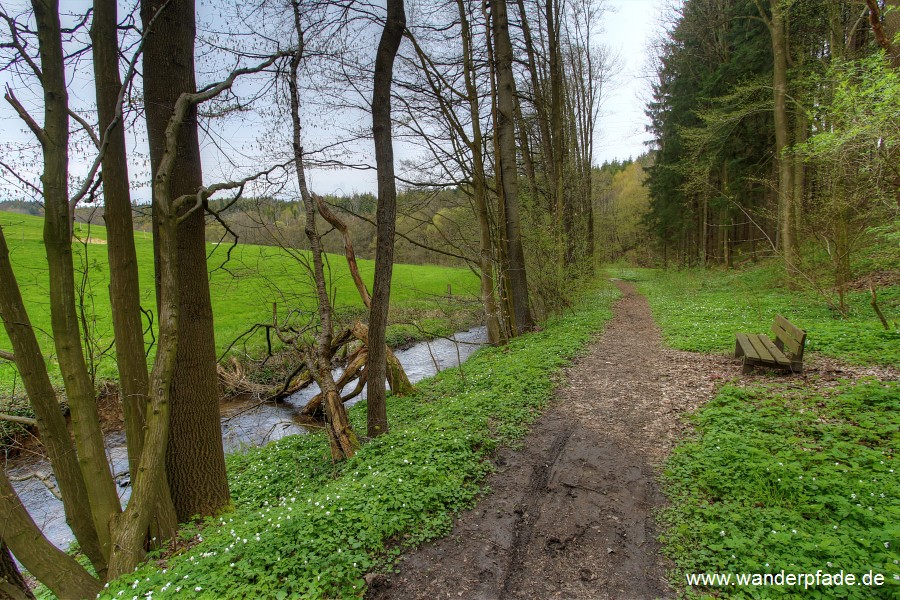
column 777, row 134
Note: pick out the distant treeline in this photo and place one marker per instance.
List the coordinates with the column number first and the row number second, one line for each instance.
column 438, row 222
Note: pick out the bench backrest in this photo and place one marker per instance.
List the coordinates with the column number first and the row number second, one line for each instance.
column 789, row 338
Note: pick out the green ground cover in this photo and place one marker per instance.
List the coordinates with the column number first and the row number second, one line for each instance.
column 702, row 310
column 798, row 474
column 784, row 477
column 243, row 286
column 305, row 527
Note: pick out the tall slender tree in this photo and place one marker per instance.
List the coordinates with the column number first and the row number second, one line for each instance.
column 385, row 216
column 54, row 137
column 507, row 169
column 124, row 288
column 776, row 21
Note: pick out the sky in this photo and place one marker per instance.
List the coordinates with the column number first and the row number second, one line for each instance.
column 630, row 27
column 628, row 30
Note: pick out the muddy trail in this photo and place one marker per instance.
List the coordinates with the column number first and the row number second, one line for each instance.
column 571, row 514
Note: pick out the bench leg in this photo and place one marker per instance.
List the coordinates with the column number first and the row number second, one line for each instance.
column 747, row 367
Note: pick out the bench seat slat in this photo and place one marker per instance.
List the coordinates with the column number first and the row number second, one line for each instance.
column 777, row 354
column 785, row 351
column 761, row 350
column 746, row 347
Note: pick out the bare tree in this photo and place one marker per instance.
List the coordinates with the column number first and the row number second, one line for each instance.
column 113, row 539
column 386, row 214
column 343, row 440
column 508, row 172
column 124, row 289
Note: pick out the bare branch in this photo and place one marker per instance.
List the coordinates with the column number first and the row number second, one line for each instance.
column 104, row 143
column 86, row 126
column 205, row 192
column 21, row 180
column 469, row 261
column 182, row 105
column 44, row 478
column 36, row 129
column 18, row 419
column 17, row 44
column 762, row 14
column 7, row 356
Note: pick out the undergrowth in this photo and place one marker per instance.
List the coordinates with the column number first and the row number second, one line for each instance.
column 793, row 476
column 786, row 478
column 306, row 527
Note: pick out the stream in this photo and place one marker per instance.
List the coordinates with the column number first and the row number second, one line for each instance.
column 245, row 424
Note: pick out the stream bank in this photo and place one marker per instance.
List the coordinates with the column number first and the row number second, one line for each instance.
column 246, row 423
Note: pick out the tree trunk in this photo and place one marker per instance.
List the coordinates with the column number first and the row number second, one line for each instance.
column 12, row 584
column 104, row 500
column 50, row 421
column 479, row 186
column 538, row 83
column 195, row 460
column 396, row 376
column 563, row 204
column 703, row 234
column 342, row 439
column 506, row 161
column 778, row 30
column 885, row 33
column 53, row 567
column 385, row 216
column 498, row 228
column 840, row 223
column 130, row 528
column 801, row 135
column 124, row 288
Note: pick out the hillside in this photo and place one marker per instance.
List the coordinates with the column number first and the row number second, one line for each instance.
column 245, row 281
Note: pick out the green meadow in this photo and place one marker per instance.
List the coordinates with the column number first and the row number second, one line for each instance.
column 244, row 283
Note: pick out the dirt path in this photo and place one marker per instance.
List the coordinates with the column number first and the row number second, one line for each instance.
column 571, row 514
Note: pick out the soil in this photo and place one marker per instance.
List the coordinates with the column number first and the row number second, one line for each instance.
column 571, row 515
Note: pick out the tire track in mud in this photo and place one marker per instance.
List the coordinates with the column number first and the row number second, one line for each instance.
column 570, row 514
column 530, row 509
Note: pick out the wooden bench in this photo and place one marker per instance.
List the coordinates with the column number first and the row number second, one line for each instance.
column 786, row 352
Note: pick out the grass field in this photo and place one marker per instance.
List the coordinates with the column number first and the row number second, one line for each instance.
column 243, row 289
column 793, row 478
